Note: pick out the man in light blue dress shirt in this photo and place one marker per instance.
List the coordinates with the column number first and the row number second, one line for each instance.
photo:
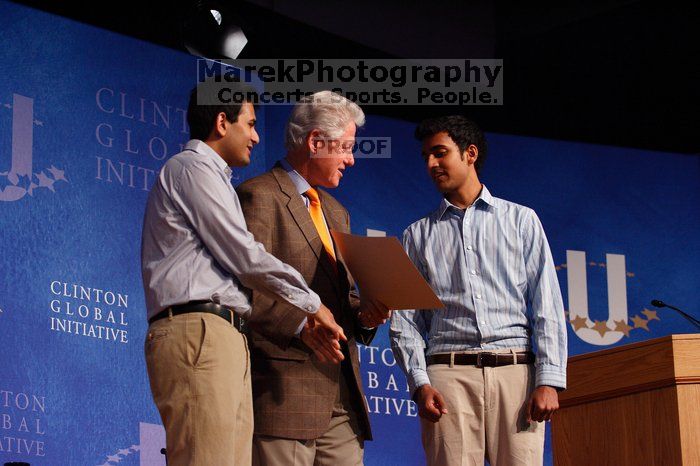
column 199, row 263
column 485, row 370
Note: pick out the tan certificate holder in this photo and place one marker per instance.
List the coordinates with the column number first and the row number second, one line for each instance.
column 384, row 272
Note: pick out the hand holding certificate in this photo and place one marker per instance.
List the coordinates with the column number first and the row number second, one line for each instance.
column 384, row 272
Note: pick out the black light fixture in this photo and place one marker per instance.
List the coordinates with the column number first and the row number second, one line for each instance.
column 212, row 29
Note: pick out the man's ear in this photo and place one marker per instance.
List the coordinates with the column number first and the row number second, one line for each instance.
column 312, row 141
column 471, row 154
column 219, row 129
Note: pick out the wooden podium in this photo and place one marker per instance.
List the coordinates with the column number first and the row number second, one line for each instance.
column 637, row 405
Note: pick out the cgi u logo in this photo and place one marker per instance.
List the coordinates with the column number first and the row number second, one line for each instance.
column 578, row 298
column 21, row 177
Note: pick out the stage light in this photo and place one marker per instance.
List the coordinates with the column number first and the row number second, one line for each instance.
column 213, row 30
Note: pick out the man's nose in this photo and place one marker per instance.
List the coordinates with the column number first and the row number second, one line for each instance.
column 349, row 159
column 255, row 137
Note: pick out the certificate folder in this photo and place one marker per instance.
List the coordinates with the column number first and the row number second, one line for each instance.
column 384, row 272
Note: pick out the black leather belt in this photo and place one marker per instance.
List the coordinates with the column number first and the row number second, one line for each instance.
column 201, row 306
column 485, row 359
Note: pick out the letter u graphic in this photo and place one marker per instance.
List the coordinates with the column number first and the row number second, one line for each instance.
column 578, row 296
column 22, row 137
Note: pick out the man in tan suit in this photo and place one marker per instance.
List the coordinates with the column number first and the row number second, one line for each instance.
column 308, row 411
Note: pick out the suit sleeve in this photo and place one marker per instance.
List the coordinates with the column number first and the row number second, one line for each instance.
column 277, row 321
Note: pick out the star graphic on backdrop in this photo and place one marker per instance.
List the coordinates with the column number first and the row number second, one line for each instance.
column 38, row 123
column 13, row 178
column 30, row 190
column 57, row 174
column 45, row 181
column 592, row 263
column 640, row 323
column 621, row 326
column 601, row 264
column 601, row 327
column 651, row 315
column 578, row 322
column 7, row 105
column 135, row 447
column 124, row 452
column 114, row 459
column 630, row 274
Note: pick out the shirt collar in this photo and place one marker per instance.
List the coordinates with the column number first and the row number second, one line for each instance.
column 299, row 181
column 204, row 149
column 485, row 197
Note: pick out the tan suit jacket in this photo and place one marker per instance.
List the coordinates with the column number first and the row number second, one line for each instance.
column 294, row 393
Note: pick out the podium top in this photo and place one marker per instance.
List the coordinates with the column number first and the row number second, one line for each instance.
column 639, row 344
column 646, row 365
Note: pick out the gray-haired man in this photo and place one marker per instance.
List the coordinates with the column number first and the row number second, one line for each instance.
column 308, row 411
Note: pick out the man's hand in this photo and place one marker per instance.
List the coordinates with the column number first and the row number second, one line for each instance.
column 324, row 319
column 431, row 405
column 372, row 313
column 543, row 402
column 325, row 347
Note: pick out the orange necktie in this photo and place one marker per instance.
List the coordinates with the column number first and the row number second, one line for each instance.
column 317, row 217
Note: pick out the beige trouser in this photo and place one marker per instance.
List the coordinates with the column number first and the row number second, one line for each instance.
column 199, row 370
column 486, row 417
column 340, row 445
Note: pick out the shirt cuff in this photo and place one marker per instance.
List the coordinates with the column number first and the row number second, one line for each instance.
column 310, row 304
column 418, row 378
column 547, row 374
column 300, row 328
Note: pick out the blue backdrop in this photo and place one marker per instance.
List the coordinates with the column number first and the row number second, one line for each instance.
column 87, row 117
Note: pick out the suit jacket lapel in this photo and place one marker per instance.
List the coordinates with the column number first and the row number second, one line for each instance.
column 300, row 214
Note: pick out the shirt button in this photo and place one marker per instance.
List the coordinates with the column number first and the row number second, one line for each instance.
column 469, row 248
column 473, row 272
column 478, row 296
column 483, row 322
column 289, row 296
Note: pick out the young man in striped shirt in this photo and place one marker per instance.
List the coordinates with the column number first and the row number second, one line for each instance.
column 495, row 357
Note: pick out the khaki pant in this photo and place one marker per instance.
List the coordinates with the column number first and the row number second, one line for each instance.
column 199, row 370
column 340, row 445
column 487, row 417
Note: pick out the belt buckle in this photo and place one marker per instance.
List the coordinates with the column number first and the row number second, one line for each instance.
column 239, row 323
column 480, row 358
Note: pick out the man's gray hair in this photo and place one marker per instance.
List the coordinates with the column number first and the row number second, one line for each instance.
column 326, row 111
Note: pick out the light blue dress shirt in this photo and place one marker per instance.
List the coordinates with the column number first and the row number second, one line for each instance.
column 491, row 266
column 299, row 181
column 196, row 246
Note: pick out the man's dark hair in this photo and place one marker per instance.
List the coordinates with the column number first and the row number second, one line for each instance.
column 462, row 130
column 201, row 116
